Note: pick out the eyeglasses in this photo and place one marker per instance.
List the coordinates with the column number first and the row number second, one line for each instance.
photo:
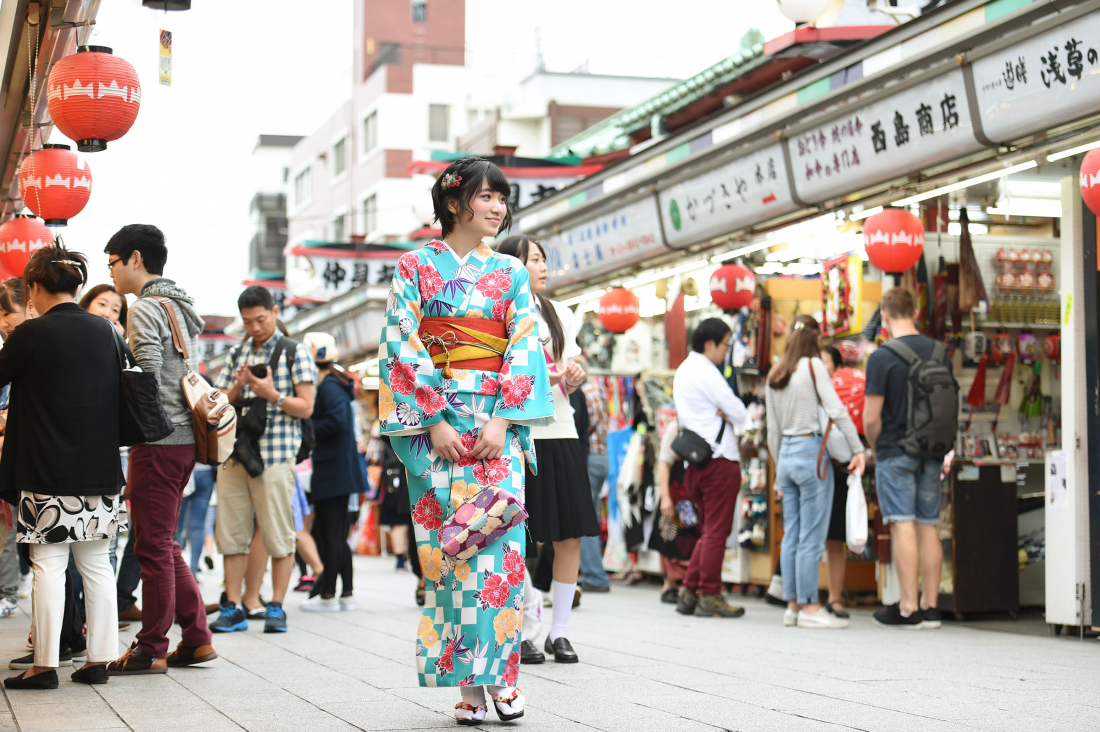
column 111, row 264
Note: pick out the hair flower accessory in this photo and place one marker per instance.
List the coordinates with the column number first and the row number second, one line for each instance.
column 451, row 180
column 799, row 325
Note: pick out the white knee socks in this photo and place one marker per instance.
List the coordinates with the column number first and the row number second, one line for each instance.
column 562, row 596
column 532, row 609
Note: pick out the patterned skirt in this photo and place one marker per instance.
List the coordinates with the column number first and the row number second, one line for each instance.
column 65, row 519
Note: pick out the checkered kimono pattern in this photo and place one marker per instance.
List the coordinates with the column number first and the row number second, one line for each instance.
column 469, row 633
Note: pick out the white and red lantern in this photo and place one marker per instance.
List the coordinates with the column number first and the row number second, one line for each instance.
column 732, row 286
column 21, row 237
column 619, row 310
column 894, row 239
column 55, row 184
column 1090, row 180
column 94, row 97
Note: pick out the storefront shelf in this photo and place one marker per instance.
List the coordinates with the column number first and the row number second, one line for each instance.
column 1037, row 326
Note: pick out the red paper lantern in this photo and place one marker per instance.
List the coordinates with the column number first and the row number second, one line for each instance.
column 55, row 184
column 1052, row 347
column 894, row 239
column 1090, row 180
column 732, row 286
column 21, row 237
column 93, row 97
column 619, row 310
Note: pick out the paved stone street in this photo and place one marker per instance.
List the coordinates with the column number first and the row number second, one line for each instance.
column 643, row 667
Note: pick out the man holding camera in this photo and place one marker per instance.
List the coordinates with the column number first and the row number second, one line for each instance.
column 262, row 374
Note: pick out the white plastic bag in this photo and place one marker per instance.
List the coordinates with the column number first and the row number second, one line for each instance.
column 856, row 514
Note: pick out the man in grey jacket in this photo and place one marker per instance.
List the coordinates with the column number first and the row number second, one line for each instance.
column 160, row 471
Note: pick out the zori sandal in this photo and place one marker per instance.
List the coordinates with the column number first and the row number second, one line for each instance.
column 510, row 707
column 469, row 715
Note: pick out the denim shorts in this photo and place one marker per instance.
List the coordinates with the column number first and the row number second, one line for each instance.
column 905, row 493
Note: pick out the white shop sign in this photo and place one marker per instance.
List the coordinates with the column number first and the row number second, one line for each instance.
column 737, row 194
column 1045, row 81
column 324, row 278
column 526, row 191
column 897, row 134
column 617, row 239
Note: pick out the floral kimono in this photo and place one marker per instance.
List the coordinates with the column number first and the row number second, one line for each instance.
column 469, row 633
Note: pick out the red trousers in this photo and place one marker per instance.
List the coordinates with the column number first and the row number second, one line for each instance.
column 714, row 489
column 158, row 475
column 673, row 570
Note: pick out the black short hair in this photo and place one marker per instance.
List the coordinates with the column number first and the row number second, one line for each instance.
column 834, row 354
column 56, row 269
column 11, row 296
column 711, row 329
column 144, row 238
column 256, row 297
column 471, row 172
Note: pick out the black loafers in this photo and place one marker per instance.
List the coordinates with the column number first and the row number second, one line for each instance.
column 44, row 680
column 562, row 650
column 96, row 674
column 530, row 653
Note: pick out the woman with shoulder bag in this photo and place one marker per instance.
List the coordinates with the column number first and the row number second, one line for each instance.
column 796, row 386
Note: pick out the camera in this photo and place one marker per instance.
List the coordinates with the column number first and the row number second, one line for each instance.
column 259, row 370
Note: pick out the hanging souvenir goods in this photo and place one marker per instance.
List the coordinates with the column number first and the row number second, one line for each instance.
column 1027, row 346
column 894, row 239
column 732, row 286
column 21, row 237
column 55, row 184
column 619, row 310
column 1090, row 180
column 94, row 97
column 1052, row 347
column 1002, row 347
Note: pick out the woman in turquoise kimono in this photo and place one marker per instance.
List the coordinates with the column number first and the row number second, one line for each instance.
column 463, row 380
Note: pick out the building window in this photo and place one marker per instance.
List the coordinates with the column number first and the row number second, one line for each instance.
column 438, row 117
column 420, row 11
column 370, row 215
column 338, row 228
column 303, row 186
column 339, row 156
column 370, row 132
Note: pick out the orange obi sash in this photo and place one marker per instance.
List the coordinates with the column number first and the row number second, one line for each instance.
column 464, row 343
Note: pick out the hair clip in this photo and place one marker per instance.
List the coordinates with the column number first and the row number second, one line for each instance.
column 451, row 180
column 69, row 262
column 799, row 325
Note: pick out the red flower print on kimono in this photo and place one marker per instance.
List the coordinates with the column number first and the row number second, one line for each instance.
column 430, row 282
column 515, row 391
column 469, row 439
column 491, row 472
column 489, row 386
column 494, row 284
column 511, row 670
column 445, row 664
column 495, row 593
column 406, row 266
column 438, row 246
column 402, row 375
column 500, row 310
column 430, row 400
column 514, row 566
column 428, row 513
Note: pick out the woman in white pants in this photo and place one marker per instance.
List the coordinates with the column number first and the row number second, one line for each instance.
column 60, row 464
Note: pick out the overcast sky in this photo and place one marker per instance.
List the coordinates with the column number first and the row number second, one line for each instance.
column 283, row 67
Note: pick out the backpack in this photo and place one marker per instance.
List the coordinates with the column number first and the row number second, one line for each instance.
column 213, row 419
column 932, row 419
column 290, row 346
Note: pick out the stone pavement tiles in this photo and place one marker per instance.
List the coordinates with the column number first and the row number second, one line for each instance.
column 643, row 667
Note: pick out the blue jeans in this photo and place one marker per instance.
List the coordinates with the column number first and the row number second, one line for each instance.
column 193, row 516
column 591, row 555
column 807, row 504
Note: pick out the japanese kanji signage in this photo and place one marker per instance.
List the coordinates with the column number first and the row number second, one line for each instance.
column 887, row 138
column 624, row 236
column 1042, row 82
column 323, row 278
column 526, row 191
column 727, row 198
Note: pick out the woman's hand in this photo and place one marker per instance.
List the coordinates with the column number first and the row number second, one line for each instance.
column 555, row 377
column 858, row 464
column 446, row 441
column 668, row 509
column 490, row 440
column 574, row 375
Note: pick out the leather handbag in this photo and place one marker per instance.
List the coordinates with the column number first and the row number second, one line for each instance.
column 479, row 521
column 142, row 418
column 691, row 446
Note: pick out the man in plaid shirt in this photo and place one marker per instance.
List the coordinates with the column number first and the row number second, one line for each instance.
column 289, row 388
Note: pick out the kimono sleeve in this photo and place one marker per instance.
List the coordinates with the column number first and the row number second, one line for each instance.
column 410, row 395
column 523, row 395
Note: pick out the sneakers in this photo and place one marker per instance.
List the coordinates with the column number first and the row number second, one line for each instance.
column 319, row 604
column 686, row 602
column 25, row 585
column 347, row 604
column 256, row 613
column 891, row 617
column 136, row 661
column 64, row 658
column 8, row 608
column 232, row 619
column 715, row 606
column 774, row 594
column 276, row 618
column 790, row 618
column 931, row 619
column 190, row 655
column 820, row 620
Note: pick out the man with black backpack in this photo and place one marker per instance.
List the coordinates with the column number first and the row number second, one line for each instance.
column 911, row 418
column 270, row 379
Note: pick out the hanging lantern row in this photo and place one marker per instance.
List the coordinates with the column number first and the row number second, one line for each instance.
column 732, row 286
column 21, row 237
column 55, row 183
column 94, row 97
column 894, row 239
column 619, row 310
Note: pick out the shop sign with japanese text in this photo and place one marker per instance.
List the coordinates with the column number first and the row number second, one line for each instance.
column 898, row 134
column 732, row 196
column 617, row 239
column 323, row 278
column 1043, row 82
column 526, row 191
